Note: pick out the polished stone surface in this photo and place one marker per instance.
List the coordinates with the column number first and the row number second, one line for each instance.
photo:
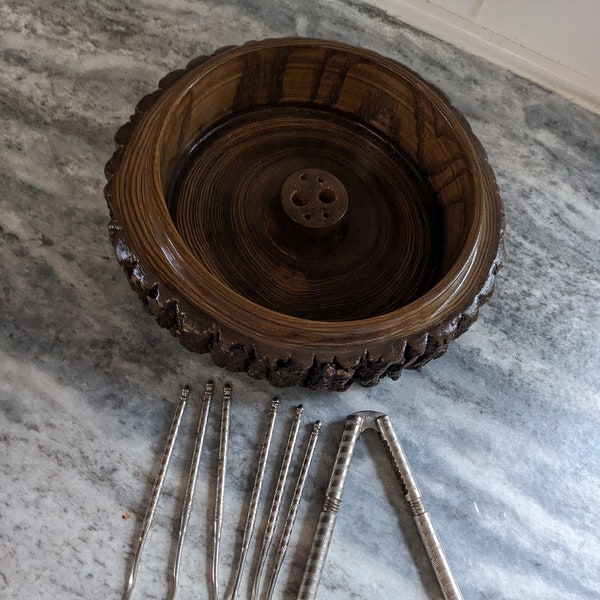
column 502, row 432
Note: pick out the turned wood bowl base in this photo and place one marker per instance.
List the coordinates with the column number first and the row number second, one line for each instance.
column 305, row 211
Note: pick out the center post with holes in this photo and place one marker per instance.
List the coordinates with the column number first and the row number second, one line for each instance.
column 315, row 199
column 310, row 217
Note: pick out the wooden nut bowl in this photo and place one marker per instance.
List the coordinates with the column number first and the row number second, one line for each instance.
column 306, row 211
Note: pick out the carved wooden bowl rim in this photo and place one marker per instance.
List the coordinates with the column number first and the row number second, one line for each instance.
column 164, row 259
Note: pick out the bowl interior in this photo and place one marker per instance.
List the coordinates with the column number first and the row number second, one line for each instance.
column 394, row 196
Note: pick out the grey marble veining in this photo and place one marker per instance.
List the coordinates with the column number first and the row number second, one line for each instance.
column 502, row 432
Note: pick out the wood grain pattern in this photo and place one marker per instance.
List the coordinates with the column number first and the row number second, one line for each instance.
column 194, row 190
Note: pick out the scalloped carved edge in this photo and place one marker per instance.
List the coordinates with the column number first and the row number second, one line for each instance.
column 199, row 333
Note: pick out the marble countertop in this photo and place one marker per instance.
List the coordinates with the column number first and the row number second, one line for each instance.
column 502, row 432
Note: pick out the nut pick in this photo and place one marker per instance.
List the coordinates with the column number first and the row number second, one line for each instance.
column 293, row 509
column 191, row 484
column 220, row 489
column 156, row 490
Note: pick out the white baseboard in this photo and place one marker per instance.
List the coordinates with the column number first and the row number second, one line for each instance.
column 478, row 40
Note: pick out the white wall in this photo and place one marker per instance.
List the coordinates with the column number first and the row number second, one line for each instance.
column 553, row 42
